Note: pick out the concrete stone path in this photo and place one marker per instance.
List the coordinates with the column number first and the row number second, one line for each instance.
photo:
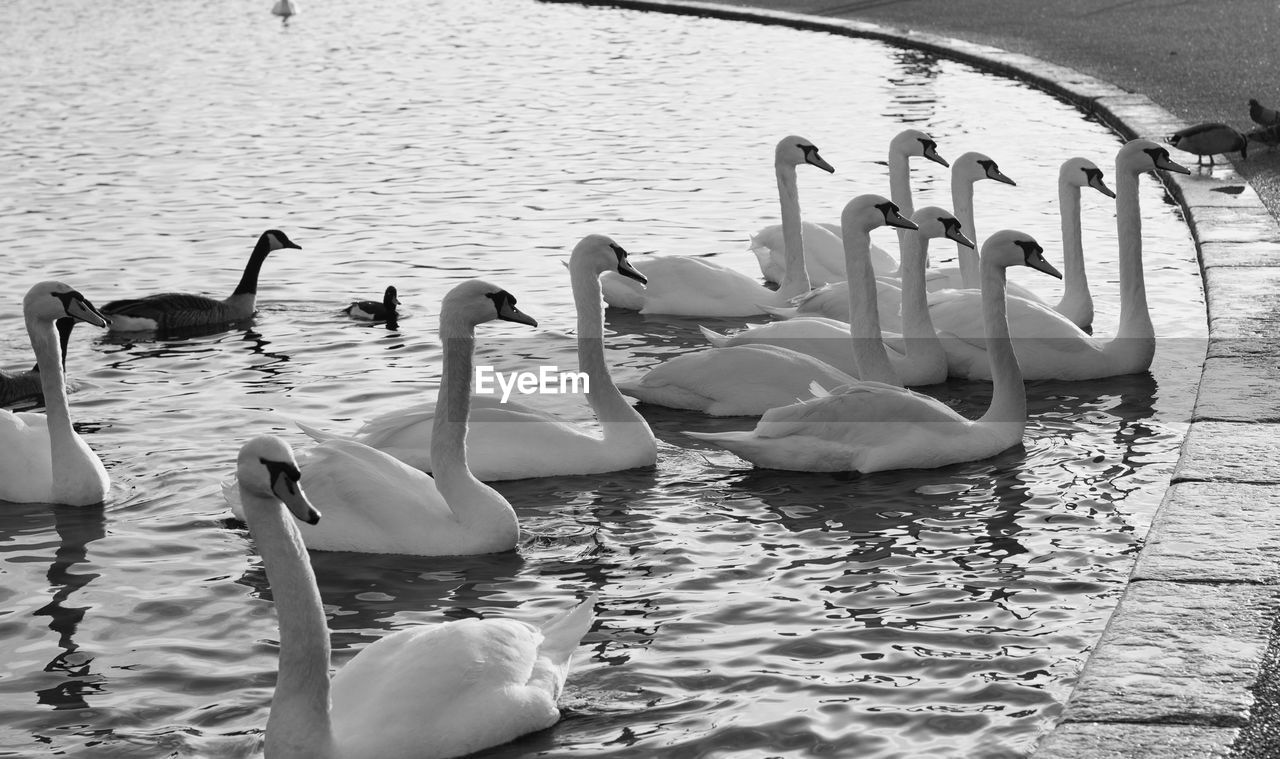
column 1189, row 665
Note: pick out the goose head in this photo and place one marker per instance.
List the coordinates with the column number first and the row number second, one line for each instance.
column 1009, row 247
column 866, row 212
column 1137, row 156
column 266, row 468
column 974, row 167
column 274, row 239
column 935, row 222
column 793, row 151
column 51, row 300
column 1081, row 172
column 602, row 254
column 913, row 142
column 476, row 302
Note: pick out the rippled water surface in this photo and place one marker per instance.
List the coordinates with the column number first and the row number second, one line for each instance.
column 939, row 613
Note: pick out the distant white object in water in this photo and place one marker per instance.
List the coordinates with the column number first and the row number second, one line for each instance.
column 284, row 9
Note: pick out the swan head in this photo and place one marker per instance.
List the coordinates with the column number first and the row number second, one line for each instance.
column 51, row 300
column 1081, row 172
column 476, row 302
column 913, row 142
column 266, row 468
column 866, row 212
column 1009, row 247
column 974, row 167
column 935, row 222
column 793, row 151
column 274, row 239
column 600, row 254
column 1137, row 156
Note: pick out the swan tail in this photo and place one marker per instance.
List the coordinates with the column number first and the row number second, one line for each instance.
column 781, row 312
column 818, row 390
column 562, row 633
column 317, row 434
column 713, row 337
column 231, row 494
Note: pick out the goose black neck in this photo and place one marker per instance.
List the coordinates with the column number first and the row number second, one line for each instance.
column 249, row 280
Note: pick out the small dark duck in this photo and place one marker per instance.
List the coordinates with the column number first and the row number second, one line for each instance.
column 1209, row 139
column 373, row 311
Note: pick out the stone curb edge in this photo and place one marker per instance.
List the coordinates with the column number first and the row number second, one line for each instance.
column 1190, row 695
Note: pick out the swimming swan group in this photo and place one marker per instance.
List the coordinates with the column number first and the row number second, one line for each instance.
column 829, row 385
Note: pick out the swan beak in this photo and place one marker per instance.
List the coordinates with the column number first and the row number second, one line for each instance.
column 508, row 312
column 1168, row 164
column 954, row 233
column 1096, row 183
column 80, row 308
column 931, row 152
column 812, row 157
column 627, row 270
column 1035, row 259
column 894, row 218
column 994, row 172
column 290, row 492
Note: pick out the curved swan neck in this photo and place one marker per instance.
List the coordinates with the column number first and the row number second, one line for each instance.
column 299, row 724
column 864, row 318
column 1135, row 320
column 1076, row 281
column 249, row 280
column 453, row 402
column 917, row 324
column 900, row 194
column 63, row 443
column 795, row 278
column 1008, row 394
column 962, row 208
column 606, row 401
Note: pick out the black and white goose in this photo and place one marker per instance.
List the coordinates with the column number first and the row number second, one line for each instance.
column 175, row 311
column 373, row 311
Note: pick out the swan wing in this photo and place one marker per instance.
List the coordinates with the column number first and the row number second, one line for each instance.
column 26, row 466
column 744, row 380
column 825, row 339
column 683, row 285
column 441, row 690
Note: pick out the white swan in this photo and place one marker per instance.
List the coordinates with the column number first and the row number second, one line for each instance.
column 166, row 311
column 747, row 380
column 423, row 692
column 42, row 459
column 872, row 427
column 916, row 355
column 697, row 287
column 1049, row 345
column 969, row 169
column 509, row 441
column 376, row 504
column 831, row 301
column 1077, row 302
column 823, row 251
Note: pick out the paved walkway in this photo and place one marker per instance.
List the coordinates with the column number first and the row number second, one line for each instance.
column 1189, row 665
